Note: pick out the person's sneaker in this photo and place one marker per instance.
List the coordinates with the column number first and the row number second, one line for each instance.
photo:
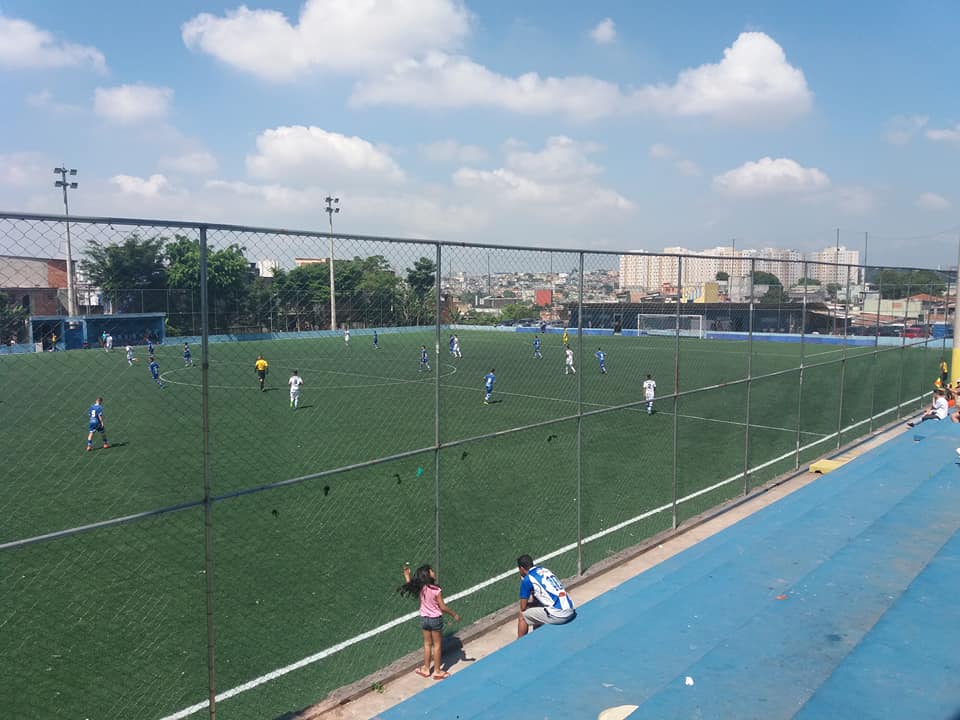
column 911, row 424
column 106, row 445
column 89, row 448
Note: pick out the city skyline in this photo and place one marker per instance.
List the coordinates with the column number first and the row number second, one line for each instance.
column 614, row 128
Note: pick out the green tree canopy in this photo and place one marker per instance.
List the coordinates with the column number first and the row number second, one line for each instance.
column 135, row 264
column 896, row 284
column 722, row 276
column 421, row 277
column 808, row 281
column 12, row 319
column 764, row 278
column 227, row 269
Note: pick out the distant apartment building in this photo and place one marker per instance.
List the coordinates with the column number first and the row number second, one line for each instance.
column 267, row 268
column 654, row 271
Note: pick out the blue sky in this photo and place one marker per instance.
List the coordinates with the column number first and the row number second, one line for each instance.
column 614, row 125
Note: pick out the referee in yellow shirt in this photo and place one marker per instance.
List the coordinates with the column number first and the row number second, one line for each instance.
column 261, row 366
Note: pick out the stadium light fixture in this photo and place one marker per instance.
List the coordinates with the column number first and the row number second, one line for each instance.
column 333, row 206
column 63, row 172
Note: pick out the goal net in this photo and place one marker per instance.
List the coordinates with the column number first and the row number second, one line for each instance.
column 683, row 325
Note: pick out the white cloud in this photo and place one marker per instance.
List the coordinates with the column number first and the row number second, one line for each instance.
column 333, row 35
column 145, row 187
column 25, row 170
column 753, row 85
column 769, row 176
column 313, row 155
column 557, row 182
column 659, row 151
column 451, row 151
column 605, row 32
column 688, row 168
column 932, row 201
column 199, row 162
column 951, row 135
column 128, row 104
column 444, row 81
column 25, row 46
column 902, row 128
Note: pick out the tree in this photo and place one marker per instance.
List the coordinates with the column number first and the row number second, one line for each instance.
column 897, row 284
column 764, row 278
column 12, row 319
column 722, row 276
column 808, row 281
column 227, row 269
column 515, row 311
column 421, row 277
column 134, row 264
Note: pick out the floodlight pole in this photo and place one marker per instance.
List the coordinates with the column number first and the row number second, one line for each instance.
column 331, row 202
column 955, row 352
column 65, row 184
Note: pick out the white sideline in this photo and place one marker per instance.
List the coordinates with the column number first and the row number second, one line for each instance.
column 333, row 649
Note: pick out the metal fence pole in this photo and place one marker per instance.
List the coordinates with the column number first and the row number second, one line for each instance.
column 580, row 424
column 903, row 353
column 207, row 484
column 876, row 350
column 436, row 416
column 803, row 334
column 843, row 360
column 676, row 396
column 749, row 383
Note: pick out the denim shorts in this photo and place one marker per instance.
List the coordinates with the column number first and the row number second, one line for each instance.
column 434, row 624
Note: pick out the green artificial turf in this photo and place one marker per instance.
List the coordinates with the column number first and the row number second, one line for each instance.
column 111, row 622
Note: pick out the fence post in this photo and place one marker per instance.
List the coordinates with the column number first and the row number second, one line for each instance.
column 436, row 416
column 876, row 347
column 746, row 436
column 676, row 394
column 207, row 490
column 803, row 335
column 843, row 361
column 580, row 422
column 903, row 353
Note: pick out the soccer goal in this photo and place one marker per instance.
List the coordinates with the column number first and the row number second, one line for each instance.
column 663, row 324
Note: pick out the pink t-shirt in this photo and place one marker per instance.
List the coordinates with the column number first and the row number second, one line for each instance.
column 429, row 607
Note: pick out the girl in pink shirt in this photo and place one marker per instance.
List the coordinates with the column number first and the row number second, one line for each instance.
column 423, row 584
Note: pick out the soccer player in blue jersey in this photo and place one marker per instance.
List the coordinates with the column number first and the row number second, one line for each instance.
column 602, row 359
column 450, row 343
column 543, row 599
column 95, row 423
column 149, row 346
column 488, row 380
column 376, row 340
column 155, row 372
column 187, row 359
column 537, row 355
column 424, row 359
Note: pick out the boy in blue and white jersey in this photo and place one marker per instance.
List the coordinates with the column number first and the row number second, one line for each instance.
column 376, row 340
column 488, row 380
column 602, row 359
column 187, row 358
column 543, row 599
column 537, row 355
column 130, row 357
column 95, row 423
column 456, row 347
column 155, row 372
column 149, row 346
column 450, row 343
column 424, row 359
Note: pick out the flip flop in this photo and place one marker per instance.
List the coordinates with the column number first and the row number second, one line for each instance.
column 421, row 673
column 441, row 676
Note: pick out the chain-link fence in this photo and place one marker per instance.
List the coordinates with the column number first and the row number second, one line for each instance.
column 216, row 531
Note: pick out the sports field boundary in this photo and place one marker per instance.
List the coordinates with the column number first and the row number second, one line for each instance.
column 357, row 689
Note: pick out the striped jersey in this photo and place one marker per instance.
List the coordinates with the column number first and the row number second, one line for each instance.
column 542, row 584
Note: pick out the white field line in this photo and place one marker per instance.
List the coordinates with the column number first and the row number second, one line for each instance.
column 333, row 649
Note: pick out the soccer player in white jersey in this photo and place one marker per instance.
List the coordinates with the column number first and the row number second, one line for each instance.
column 130, row 357
column 295, row 382
column 568, row 362
column 649, row 392
column 456, row 347
column 543, row 599
column 346, row 337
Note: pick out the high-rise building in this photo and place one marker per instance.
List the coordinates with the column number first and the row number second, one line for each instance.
column 829, row 265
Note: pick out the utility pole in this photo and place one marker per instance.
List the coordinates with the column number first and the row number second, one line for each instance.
column 331, row 202
column 72, row 185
